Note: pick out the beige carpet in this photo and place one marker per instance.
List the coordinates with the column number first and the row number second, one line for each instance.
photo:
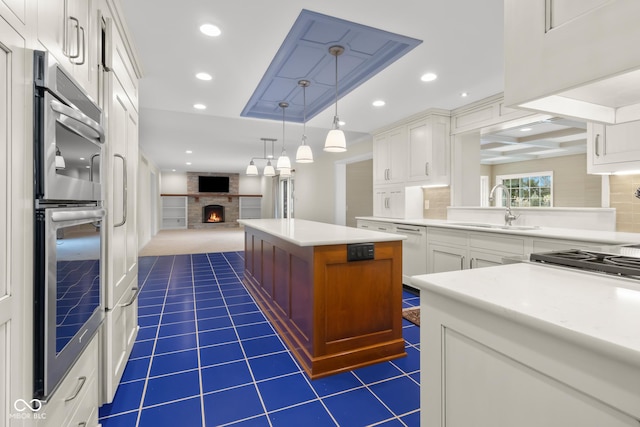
column 178, row 242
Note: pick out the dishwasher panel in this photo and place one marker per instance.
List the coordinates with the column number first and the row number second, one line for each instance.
column 414, row 250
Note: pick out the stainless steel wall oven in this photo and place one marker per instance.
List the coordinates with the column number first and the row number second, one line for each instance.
column 69, row 235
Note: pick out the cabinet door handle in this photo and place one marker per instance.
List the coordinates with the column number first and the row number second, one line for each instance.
column 75, row 394
column 77, row 24
column 426, row 168
column 124, row 190
column 471, row 263
column 84, row 47
column 462, row 263
column 133, row 298
column 597, row 145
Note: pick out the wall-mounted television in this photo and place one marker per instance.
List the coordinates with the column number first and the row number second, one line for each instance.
column 213, row 184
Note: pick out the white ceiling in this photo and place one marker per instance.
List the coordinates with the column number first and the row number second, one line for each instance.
column 462, row 43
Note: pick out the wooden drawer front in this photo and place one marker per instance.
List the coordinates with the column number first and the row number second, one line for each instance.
column 75, row 386
column 497, row 243
column 447, row 237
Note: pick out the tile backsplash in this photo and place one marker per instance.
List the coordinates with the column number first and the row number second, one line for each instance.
column 437, row 198
column 622, row 190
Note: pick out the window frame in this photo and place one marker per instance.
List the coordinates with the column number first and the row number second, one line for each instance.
column 501, row 178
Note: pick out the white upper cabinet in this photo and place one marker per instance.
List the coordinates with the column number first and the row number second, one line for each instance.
column 389, row 151
column 577, row 58
column 66, row 28
column 428, row 151
column 613, row 148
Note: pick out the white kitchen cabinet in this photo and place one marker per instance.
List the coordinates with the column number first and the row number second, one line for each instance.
column 174, row 212
column 574, row 58
column 389, row 156
column 502, row 357
column 68, row 29
column 613, row 148
column 375, row 225
column 16, row 223
column 428, row 151
column 121, row 166
column 397, row 202
column 414, row 250
column 453, row 250
column 76, row 399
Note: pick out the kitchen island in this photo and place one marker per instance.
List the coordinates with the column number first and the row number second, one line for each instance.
column 333, row 293
column 529, row 345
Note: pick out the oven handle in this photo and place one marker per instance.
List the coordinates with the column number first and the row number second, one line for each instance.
column 62, row 216
column 124, row 190
column 78, row 122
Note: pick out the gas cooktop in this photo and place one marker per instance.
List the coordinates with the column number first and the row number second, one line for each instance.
column 620, row 260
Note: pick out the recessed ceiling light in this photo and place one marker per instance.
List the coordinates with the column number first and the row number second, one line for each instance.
column 428, row 77
column 378, row 103
column 188, row 151
column 210, row 30
column 464, row 94
column 173, row 170
column 204, row 76
column 525, row 129
column 81, row 158
column 188, row 163
column 199, row 106
column 341, row 123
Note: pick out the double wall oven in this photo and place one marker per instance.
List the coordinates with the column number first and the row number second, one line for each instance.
column 69, row 234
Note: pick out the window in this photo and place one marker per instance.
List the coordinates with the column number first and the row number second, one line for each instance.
column 527, row 190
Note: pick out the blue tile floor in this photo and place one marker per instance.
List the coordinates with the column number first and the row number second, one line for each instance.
column 206, row 356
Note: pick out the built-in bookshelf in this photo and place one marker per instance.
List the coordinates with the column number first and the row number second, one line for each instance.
column 174, row 212
column 250, row 207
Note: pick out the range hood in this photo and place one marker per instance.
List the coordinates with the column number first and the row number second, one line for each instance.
column 573, row 58
column 612, row 100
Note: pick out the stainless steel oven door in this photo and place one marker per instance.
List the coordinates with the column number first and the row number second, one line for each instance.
column 71, row 153
column 69, row 296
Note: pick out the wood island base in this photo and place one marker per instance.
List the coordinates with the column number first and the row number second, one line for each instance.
column 333, row 315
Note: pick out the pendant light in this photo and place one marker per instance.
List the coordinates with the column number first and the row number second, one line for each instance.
column 336, row 141
column 283, row 160
column 268, row 170
column 60, row 163
column 252, row 169
column 304, row 153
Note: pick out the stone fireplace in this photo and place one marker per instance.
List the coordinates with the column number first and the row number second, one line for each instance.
column 213, row 213
column 228, row 205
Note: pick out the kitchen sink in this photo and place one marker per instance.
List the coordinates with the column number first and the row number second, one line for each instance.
column 495, row 226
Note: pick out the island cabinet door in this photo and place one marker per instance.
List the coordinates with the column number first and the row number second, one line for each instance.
column 358, row 304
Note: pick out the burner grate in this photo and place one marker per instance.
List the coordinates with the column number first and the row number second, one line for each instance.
column 591, row 261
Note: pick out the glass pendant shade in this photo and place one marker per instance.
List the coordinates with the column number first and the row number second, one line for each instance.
column 268, row 170
column 283, row 161
column 304, row 154
column 335, row 142
column 252, row 170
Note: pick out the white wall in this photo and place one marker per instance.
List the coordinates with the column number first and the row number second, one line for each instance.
column 173, row 183
column 148, row 201
column 315, row 183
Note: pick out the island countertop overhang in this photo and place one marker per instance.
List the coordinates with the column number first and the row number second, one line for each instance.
column 303, row 233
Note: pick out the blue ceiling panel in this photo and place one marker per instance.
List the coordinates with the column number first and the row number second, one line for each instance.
column 304, row 54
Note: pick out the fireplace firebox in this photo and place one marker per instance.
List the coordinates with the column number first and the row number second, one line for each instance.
column 213, row 213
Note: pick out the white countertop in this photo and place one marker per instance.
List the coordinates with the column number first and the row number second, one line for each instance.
column 597, row 311
column 600, row 237
column 310, row 233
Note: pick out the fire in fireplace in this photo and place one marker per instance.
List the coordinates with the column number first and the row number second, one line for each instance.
column 213, row 213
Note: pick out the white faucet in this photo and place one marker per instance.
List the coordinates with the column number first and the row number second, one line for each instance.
column 509, row 217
